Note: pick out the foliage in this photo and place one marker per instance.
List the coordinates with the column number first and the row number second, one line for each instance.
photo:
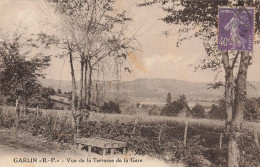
column 7, row 119
column 59, row 91
column 46, row 91
column 138, row 105
column 252, row 112
column 20, row 67
column 96, row 35
column 169, row 99
column 202, row 143
column 110, row 107
column 198, row 111
column 175, row 107
column 42, row 100
column 200, row 20
column 154, row 110
column 218, row 111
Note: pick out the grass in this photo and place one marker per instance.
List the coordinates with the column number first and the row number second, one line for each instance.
column 123, row 118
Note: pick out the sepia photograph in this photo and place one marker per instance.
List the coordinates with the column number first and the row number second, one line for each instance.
column 129, row 83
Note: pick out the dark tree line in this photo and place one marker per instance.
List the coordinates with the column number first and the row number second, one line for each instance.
column 21, row 65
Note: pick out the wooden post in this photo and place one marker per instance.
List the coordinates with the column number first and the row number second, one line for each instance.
column 185, row 133
column 37, row 112
column 55, row 123
column 112, row 151
column 220, row 140
column 124, row 150
column 89, row 148
column 256, row 139
column 160, row 133
column 104, row 151
column 79, row 146
column 135, row 125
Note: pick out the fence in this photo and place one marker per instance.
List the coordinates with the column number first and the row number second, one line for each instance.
column 250, row 129
column 220, row 135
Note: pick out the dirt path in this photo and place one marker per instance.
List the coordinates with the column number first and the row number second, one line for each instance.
column 19, row 148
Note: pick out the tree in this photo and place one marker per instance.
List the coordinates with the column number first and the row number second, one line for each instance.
column 252, row 109
column 175, row 107
column 42, row 99
column 97, row 32
column 59, row 91
column 138, row 105
column 20, row 68
column 218, row 111
column 168, row 98
column 200, row 21
column 110, row 107
column 198, row 111
column 93, row 33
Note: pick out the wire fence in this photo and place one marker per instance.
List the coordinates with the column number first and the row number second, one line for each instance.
column 170, row 128
column 158, row 132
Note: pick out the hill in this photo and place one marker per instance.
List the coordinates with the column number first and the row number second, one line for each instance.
column 155, row 89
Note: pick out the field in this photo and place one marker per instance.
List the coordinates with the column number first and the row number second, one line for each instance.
column 157, row 136
column 124, row 118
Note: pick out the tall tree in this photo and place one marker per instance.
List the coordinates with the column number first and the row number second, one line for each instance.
column 98, row 32
column 199, row 19
column 198, row 111
column 94, row 32
column 20, row 67
column 67, row 48
column 168, row 98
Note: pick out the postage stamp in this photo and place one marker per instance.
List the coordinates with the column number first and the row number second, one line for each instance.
column 236, row 29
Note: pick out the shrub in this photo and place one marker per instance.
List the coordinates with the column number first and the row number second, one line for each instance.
column 198, row 111
column 218, row 111
column 176, row 107
column 110, row 107
column 252, row 109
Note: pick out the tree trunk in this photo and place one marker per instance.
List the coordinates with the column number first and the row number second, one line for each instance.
column 97, row 87
column 89, row 82
column 82, row 63
column 240, row 90
column 229, row 82
column 73, row 91
column 17, row 111
column 97, row 95
column 85, row 83
column 73, row 83
column 238, row 112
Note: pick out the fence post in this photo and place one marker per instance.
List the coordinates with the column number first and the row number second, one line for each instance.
column 135, row 125
column 160, row 133
column 185, row 133
column 220, row 140
column 256, row 139
column 55, row 122
column 37, row 112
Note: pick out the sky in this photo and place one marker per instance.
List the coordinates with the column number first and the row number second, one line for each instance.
column 159, row 57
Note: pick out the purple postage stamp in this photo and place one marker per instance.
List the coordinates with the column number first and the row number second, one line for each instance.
column 236, row 29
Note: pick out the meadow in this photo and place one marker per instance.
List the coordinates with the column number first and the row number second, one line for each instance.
column 157, row 136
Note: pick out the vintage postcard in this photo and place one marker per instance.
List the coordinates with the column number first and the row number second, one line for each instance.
column 129, row 83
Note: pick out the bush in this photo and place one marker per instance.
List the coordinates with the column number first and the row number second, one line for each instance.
column 176, row 107
column 7, row 120
column 198, row 111
column 252, row 109
column 218, row 111
column 110, row 107
column 202, row 148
